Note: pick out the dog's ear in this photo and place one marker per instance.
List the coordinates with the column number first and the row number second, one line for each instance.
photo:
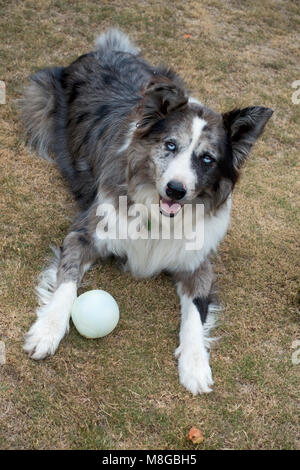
column 160, row 98
column 244, row 126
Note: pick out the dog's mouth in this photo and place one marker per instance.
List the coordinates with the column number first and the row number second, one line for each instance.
column 168, row 207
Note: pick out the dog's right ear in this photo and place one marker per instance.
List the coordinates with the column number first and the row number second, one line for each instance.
column 161, row 97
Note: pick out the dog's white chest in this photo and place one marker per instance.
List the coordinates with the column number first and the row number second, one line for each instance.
column 148, row 257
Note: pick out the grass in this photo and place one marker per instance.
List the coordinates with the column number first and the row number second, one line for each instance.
column 122, row 392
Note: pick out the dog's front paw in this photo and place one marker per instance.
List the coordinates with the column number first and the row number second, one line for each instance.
column 44, row 337
column 194, row 370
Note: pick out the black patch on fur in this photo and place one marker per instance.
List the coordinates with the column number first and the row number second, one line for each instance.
column 103, row 110
column 210, row 175
column 107, row 79
column 158, row 128
column 80, row 118
column 82, row 239
column 202, row 304
column 75, row 90
column 226, row 165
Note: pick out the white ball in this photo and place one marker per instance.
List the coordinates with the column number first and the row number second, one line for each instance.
column 95, row 314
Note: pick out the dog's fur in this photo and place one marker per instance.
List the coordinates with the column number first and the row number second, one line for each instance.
column 117, row 126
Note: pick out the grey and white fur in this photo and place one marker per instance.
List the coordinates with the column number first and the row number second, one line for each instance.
column 117, row 126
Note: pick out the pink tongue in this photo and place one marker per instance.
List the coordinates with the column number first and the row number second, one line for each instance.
column 170, row 207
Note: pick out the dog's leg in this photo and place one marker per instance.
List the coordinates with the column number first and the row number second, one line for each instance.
column 194, row 290
column 57, row 291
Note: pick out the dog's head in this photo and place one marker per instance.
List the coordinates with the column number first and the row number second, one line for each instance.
column 183, row 152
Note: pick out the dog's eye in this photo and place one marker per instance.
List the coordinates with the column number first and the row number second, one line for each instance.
column 170, row 146
column 207, row 159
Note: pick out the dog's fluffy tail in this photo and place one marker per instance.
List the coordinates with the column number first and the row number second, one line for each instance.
column 43, row 99
column 38, row 109
column 115, row 40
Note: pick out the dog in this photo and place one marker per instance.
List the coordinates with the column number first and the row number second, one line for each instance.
column 119, row 128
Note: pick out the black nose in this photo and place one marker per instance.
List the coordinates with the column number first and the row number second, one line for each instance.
column 175, row 190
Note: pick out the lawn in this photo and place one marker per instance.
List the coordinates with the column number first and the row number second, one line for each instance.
column 122, row 391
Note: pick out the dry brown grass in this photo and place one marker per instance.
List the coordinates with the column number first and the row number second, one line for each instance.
column 122, row 392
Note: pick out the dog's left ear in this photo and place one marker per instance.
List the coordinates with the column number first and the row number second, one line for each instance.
column 161, row 97
column 244, row 126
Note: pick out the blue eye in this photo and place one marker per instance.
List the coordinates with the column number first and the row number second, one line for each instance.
column 170, row 146
column 207, row 159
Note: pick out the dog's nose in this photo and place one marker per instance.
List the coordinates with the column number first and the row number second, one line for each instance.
column 175, row 190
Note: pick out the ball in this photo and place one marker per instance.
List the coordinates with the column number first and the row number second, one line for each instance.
column 95, row 314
